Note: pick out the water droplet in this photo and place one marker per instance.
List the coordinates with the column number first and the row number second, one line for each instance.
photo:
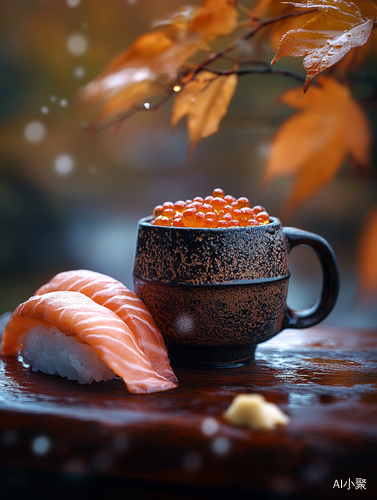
column 34, row 132
column 147, row 105
column 63, row 103
column 41, row 445
column 44, row 110
column 221, row 445
column 53, row 98
column 64, row 164
column 210, row 426
column 73, row 3
column 77, row 44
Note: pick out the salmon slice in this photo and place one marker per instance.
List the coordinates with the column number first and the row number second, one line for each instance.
column 112, row 294
column 75, row 314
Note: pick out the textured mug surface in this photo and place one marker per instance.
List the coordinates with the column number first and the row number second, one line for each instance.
column 215, row 293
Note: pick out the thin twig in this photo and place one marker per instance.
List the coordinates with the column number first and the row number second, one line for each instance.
column 250, row 34
column 265, row 70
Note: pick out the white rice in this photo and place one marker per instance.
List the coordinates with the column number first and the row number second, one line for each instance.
column 50, row 351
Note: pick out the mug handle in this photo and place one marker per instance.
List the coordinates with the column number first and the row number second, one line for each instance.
column 330, row 285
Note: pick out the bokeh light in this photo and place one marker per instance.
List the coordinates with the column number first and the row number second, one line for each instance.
column 221, row 445
column 77, row 44
column 210, row 426
column 79, row 72
column 64, row 164
column 41, row 445
column 34, row 132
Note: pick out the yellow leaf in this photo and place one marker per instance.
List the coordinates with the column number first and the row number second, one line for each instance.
column 313, row 144
column 325, row 38
column 205, row 101
column 367, row 255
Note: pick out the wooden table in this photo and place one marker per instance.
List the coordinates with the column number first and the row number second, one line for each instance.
column 58, row 437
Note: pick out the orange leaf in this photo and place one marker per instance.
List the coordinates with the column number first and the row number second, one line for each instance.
column 367, row 255
column 183, row 14
column 271, row 8
column 205, row 101
column 325, row 38
column 155, row 54
column 211, row 19
column 274, row 8
column 313, row 143
column 214, row 18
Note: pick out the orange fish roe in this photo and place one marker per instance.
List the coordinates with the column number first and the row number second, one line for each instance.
column 216, row 210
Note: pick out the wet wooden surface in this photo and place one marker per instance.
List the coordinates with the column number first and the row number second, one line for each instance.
column 58, row 435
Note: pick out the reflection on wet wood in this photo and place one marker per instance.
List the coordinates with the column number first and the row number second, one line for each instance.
column 325, row 379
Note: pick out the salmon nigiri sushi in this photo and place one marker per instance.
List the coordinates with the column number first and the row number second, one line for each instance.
column 69, row 334
column 114, row 295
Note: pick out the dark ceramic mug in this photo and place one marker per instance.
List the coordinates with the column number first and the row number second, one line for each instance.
column 215, row 293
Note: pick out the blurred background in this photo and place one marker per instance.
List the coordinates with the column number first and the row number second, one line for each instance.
column 69, row 200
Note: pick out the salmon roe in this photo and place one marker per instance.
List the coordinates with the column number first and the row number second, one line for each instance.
column 215, row 210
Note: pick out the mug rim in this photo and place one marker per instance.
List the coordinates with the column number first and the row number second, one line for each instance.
column 273, row 220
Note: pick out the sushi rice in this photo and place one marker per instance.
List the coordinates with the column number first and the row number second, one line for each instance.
column 53, row 352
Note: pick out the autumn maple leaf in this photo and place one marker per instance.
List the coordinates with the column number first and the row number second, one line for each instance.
column 313, row 144
column 325, row 38
column 205, row 101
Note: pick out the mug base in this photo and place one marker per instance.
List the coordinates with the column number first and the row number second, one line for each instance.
column 210, row 357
